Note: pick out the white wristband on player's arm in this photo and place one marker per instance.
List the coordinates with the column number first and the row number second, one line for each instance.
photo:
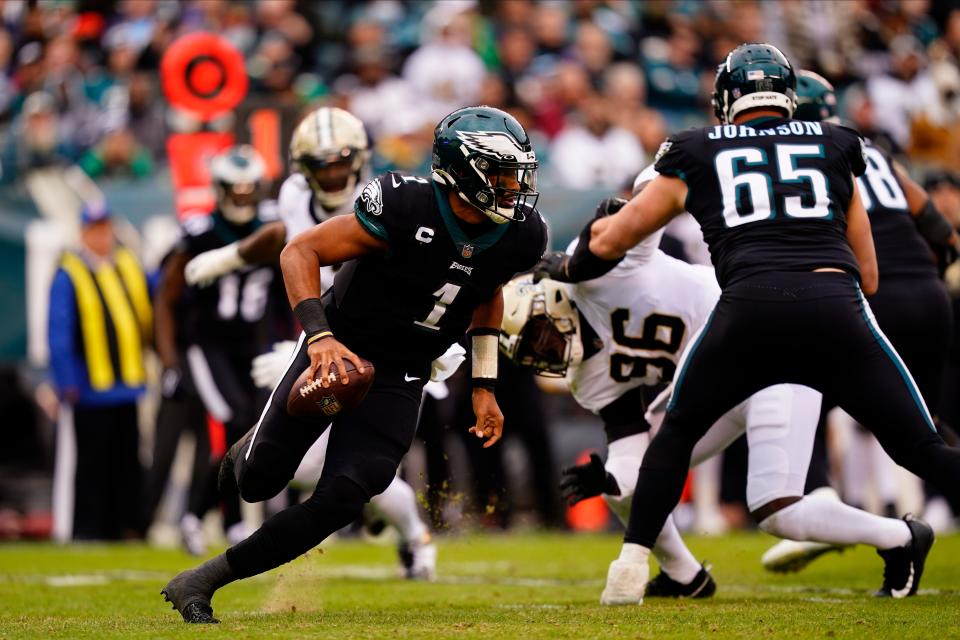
column 484, row 357
column 210, row 265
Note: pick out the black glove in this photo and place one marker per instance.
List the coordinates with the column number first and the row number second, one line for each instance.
column 586, row 481
column 608, row 207
column 170, row 383
column 552, row 265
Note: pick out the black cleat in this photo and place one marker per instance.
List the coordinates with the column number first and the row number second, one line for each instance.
column 904, row 565
column 190, row 591
column 663, row 586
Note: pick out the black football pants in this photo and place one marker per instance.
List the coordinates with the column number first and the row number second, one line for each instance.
column 365, row 448
column 914, row 313
column 814, row 329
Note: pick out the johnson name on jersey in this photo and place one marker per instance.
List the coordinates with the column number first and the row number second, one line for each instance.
column 771, row 194
column 410, row 303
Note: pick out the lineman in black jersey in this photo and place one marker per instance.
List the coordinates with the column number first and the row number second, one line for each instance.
column 425, row 261
column 789, row 237
column 207, row 338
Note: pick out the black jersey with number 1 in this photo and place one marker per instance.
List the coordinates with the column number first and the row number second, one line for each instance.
column 770, row 194
column 406, row 306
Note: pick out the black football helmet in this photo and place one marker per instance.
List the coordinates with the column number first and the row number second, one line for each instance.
column 485, row 156
column 754, row 75
column 816, row 98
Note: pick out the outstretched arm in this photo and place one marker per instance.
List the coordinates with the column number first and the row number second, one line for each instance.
column 261, row 247
column 661, row 200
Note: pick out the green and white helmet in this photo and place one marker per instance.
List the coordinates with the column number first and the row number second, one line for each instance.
column 816, row 98
column 754, row 76
column 485, row 156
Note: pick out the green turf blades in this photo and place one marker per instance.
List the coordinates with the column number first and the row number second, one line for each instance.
column 509, row 586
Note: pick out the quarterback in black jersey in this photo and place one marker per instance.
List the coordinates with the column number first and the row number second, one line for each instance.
column 424, row 263
column 790, row 240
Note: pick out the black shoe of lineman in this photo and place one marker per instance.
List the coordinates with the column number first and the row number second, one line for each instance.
column 904, row 565
column 663, row 586
column 227, row 476
column 190, row 594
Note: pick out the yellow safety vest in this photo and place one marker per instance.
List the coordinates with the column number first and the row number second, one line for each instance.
column 117, row 288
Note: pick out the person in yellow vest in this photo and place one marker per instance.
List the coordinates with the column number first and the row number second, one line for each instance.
column 100, row 319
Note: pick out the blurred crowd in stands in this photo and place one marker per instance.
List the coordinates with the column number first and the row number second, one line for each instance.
column 598, row 84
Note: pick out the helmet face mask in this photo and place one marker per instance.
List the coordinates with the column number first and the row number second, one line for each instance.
column 238, row 176
column 331, row 149
column 485, row 156
column 754, row 76
column 541, row 328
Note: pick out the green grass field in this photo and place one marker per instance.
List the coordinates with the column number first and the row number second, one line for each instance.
column 511, row 586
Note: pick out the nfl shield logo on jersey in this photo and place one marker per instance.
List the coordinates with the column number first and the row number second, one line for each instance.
column 467, row 250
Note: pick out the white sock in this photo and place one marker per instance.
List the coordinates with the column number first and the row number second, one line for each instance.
column 673, row 555
column 634, row 552
column 820, row 519
column 398, row 506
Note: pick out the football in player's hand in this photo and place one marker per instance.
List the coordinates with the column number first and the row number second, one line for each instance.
column 309, row 399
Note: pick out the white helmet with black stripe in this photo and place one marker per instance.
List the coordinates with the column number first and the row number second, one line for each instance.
column 331, row 149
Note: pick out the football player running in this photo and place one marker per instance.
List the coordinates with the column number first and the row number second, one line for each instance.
column 330, row 154
column 642, row 315
column 913, row 240
column 425, row 262
column 790, row 240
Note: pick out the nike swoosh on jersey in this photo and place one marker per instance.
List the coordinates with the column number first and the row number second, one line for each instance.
column 902, row 593
column 393, row 181
column 407, row 378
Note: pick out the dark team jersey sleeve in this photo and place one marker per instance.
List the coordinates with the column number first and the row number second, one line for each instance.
column 850, row 145
column 672, row 158
column 380, row 206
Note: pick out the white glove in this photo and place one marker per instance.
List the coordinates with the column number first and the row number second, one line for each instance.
column 447, row 364
column 436, row 390
column 267, row 368
column 210, row 265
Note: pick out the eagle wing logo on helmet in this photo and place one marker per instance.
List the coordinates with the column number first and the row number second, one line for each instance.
column 372, row 197
column 495, row 143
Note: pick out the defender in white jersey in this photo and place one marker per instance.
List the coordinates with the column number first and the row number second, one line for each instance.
column 329, row 152
column 634, row 325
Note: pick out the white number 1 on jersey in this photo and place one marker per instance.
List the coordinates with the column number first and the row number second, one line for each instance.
column 444, row 296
